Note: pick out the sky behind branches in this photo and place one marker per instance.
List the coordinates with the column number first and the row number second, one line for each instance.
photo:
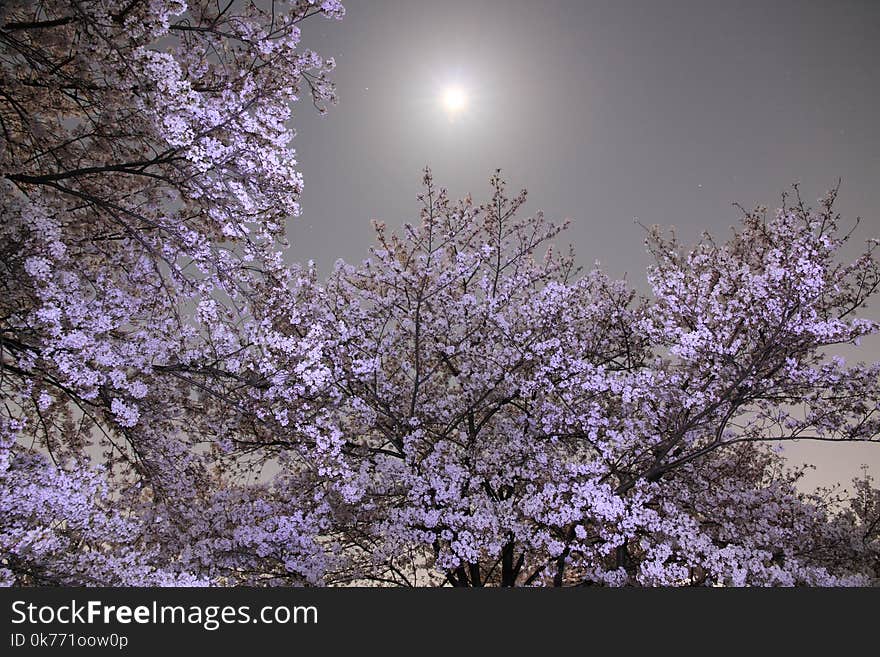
column 606, row 111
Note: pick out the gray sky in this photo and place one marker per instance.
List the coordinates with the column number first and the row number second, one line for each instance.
column 665, row 111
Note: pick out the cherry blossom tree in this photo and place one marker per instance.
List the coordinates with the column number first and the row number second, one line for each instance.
column 147, row 179
column 519, row 423
column 466, row 407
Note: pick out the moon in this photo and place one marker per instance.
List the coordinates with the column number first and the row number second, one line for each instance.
column 454, row 100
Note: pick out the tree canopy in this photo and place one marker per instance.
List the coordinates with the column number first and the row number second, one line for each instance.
column 181, row 405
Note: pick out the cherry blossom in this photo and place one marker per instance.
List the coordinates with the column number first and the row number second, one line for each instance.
column 181, row 405
column 148, row 177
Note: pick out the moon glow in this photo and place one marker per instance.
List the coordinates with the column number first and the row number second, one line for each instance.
column 454, row 100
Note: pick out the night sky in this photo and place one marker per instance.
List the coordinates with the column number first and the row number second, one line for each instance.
column 604, row 111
